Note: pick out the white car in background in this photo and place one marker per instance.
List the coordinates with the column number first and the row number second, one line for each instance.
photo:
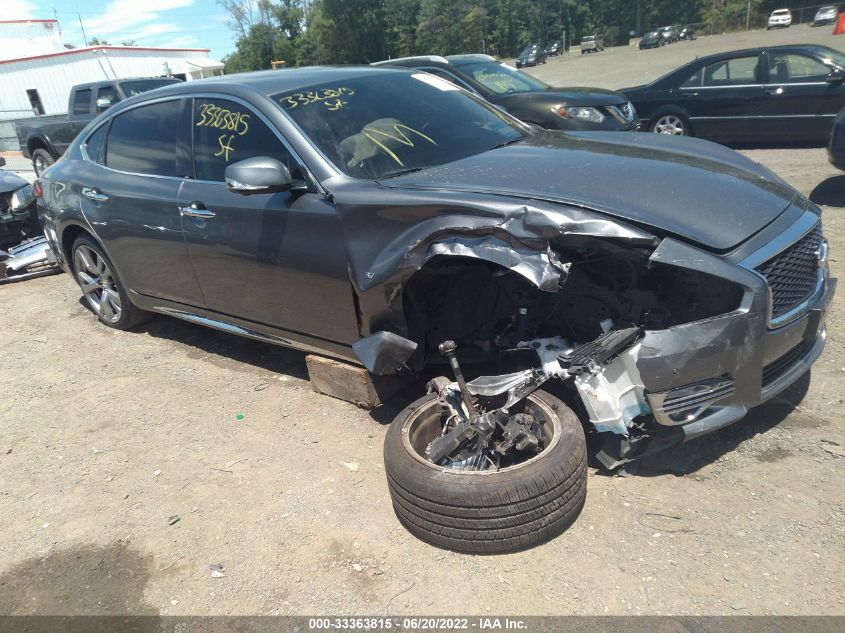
column 780, row 18
column 825, row 15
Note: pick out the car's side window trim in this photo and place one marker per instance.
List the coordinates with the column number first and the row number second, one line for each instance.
column 191, row 97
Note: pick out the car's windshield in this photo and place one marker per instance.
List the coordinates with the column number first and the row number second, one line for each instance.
column 137, row 86
column 528, row 50
column 501, row 78
column 781, row 12
column 589, row 38
column 381, row 125
column 650, row 36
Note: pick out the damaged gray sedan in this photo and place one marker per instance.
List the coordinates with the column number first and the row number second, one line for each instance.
column 661, row 286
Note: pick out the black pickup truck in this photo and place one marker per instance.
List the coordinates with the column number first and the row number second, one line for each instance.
column 45, row 138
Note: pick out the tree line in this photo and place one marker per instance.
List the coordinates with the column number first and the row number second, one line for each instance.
column 304, row 32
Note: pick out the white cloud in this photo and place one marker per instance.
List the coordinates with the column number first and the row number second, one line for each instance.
column 134, row 19
column 18, row 10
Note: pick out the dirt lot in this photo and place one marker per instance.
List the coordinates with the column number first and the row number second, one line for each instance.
column 106, row 435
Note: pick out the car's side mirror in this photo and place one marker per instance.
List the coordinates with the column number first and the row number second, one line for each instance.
column 260, row 174
column 836, row 77
column 104, row 104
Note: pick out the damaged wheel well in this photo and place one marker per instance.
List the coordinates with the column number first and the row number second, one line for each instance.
column 69, row 236
column 488, row 308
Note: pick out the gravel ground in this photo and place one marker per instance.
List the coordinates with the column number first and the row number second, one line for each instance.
column 107, row 437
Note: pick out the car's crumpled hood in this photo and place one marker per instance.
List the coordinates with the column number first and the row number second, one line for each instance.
column 570, row 96
column 10, row 181
column 696, row 190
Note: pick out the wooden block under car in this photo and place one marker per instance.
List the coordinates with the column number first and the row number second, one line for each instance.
column 349, row 382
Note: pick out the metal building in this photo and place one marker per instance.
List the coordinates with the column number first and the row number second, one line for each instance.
column 37, row 70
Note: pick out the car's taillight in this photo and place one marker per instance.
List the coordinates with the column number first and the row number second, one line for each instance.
column 36, row 187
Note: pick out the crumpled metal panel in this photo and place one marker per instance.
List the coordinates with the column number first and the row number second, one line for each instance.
column 541, row 268
column 389, row 243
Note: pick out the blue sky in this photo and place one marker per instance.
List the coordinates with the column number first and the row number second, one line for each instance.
column 167, row 23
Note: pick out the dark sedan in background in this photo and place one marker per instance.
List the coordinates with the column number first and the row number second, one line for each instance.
column 531, row 55
column 785, row 93
column 526, row 97
column 652, row 39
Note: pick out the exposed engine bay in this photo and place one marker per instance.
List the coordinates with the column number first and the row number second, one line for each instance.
column 605, row 287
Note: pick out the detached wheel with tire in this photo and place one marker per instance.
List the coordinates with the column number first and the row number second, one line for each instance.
column 41, row 160
column 474, row 508
column 101, row 287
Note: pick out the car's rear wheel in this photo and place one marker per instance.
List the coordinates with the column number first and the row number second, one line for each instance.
column 475, row 508
column 671, row 124
column 41, row 160
column 101, row 288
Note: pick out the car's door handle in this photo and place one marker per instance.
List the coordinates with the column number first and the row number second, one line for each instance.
column 197, row 210
column 92, row 193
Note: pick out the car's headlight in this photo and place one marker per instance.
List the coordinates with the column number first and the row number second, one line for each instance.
column 22, row 198
column 579, row 113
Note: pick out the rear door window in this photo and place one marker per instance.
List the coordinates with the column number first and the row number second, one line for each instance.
column 695, row 79
column 733, row 72
column 226, row 132
column 95, row 146
column 145, row 140
column 82, row 101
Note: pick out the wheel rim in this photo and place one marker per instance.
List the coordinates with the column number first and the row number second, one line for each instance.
column 670, row 124
column 97, row 283
column 424, row 424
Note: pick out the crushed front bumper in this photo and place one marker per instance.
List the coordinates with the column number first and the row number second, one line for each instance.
column 703, row 376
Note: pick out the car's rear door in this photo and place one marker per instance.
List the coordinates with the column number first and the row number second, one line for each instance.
column 801, row 103
column 274, row 259
column 728, row 103
column 130, row 199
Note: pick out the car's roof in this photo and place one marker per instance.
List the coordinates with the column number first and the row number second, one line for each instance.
column 761, row 49
column 269, row 82
column 469, row 59
column 414, row 59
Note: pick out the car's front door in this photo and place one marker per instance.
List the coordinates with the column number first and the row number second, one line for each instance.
column 801, row 104
column 274, row 259
column 727, row 103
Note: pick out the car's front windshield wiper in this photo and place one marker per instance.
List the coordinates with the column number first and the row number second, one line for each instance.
column 510, row 142
column 401, row 172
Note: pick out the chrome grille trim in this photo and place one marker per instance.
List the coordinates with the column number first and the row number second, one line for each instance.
column 793, row 274
column 806, row 224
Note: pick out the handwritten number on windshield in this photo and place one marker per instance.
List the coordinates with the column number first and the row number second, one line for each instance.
column 332, row 98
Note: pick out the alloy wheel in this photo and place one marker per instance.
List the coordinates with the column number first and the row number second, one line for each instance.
column 670, row 124
column 97, row 282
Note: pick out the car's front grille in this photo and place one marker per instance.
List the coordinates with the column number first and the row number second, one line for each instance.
column 793, row 274
column 779, row 367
